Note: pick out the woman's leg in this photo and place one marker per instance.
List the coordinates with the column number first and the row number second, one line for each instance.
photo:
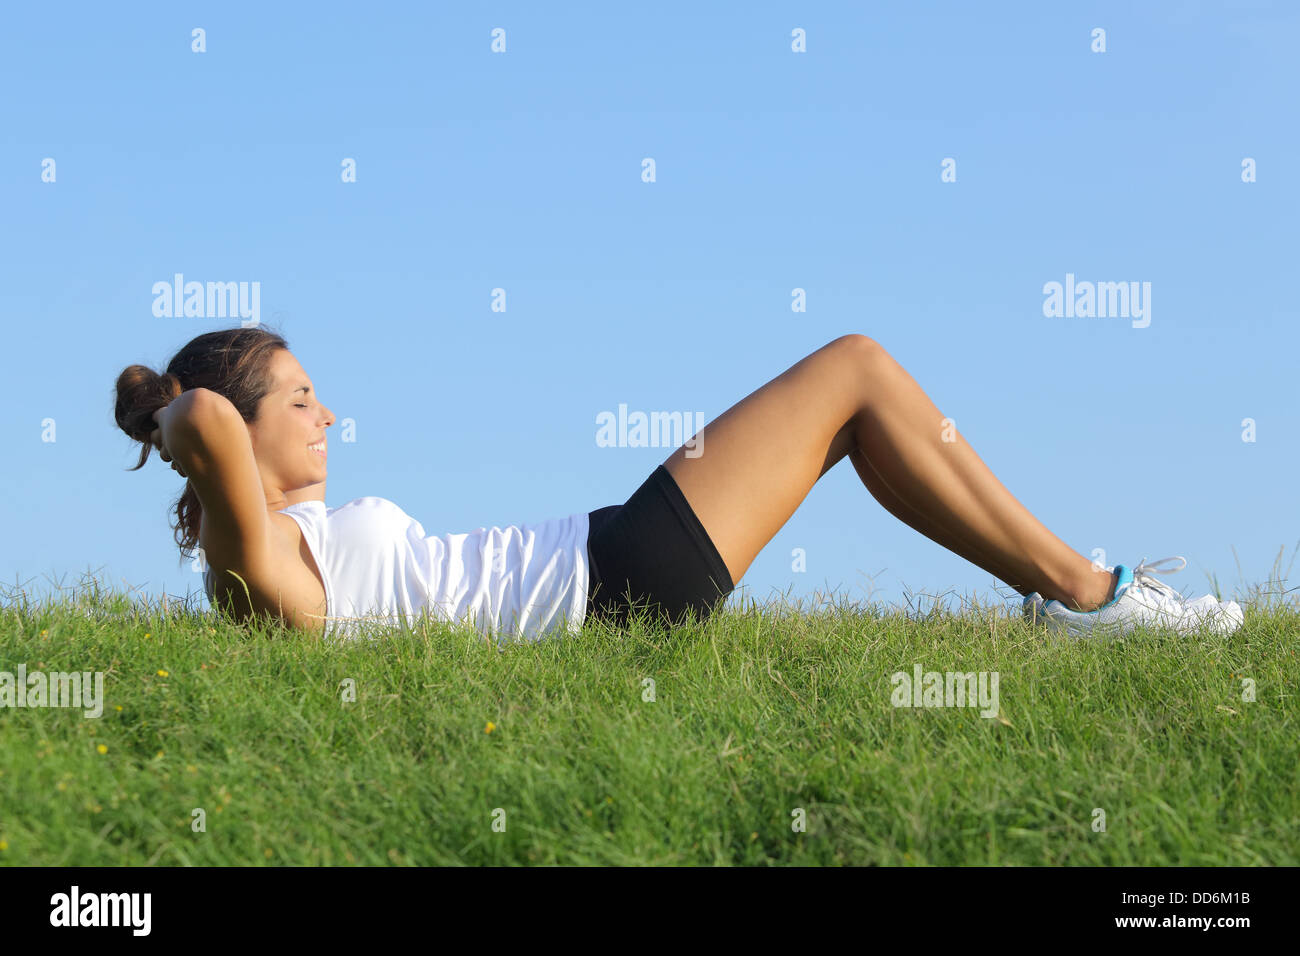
column 762, row 456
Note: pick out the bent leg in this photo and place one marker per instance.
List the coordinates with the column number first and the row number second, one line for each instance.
column 762, row 456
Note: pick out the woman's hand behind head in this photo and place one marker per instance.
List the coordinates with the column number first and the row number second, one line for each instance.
column 156, row 438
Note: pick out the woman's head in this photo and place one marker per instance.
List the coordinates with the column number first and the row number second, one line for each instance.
column 255, row 371
column 288, row 433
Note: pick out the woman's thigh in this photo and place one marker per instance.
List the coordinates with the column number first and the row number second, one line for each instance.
column 759, row 459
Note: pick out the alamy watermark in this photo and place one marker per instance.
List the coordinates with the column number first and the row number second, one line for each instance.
column 656, row 430
column 75, row 908
column 55, row 689
column 1106, row 300
column 946, row 689
column 212, row 300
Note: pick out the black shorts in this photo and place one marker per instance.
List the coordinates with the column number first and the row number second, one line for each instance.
column 652, row 552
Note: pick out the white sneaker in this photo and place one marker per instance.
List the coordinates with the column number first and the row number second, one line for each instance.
column 1140, row 599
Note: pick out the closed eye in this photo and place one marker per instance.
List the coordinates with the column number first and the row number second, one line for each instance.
column 299, row 406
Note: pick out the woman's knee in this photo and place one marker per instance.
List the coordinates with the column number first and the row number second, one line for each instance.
column 859, row 345
column 860, row 362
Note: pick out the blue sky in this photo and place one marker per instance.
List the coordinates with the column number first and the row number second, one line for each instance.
column 775, row 170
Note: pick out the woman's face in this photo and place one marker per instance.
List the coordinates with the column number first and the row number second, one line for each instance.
column 290, row 420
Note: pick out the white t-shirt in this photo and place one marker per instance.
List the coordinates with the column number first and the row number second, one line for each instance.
column 527, row 580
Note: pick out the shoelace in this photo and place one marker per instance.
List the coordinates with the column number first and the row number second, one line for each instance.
column 1143, row 575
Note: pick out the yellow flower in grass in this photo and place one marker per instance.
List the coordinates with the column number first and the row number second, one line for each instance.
column 102, row 748
column 4, row 845
column 117, row 707
column 489, row 728
column 163, row 673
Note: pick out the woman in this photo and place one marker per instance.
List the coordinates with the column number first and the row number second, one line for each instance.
column 237, row 417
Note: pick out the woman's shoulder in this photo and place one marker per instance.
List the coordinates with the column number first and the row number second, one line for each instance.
column 291, row 586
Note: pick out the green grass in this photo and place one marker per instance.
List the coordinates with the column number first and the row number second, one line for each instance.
column 757, row 712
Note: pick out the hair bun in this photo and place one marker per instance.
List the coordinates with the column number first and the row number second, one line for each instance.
column 140, row 392
column 171, row 387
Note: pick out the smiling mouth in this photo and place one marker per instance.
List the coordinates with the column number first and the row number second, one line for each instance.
column 318, row 449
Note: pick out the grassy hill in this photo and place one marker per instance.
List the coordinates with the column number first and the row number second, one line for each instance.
column 762, row 736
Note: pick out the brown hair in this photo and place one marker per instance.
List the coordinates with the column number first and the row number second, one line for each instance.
column 232, row 362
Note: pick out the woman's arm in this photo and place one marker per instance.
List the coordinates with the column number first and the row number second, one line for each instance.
column 206, row 437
